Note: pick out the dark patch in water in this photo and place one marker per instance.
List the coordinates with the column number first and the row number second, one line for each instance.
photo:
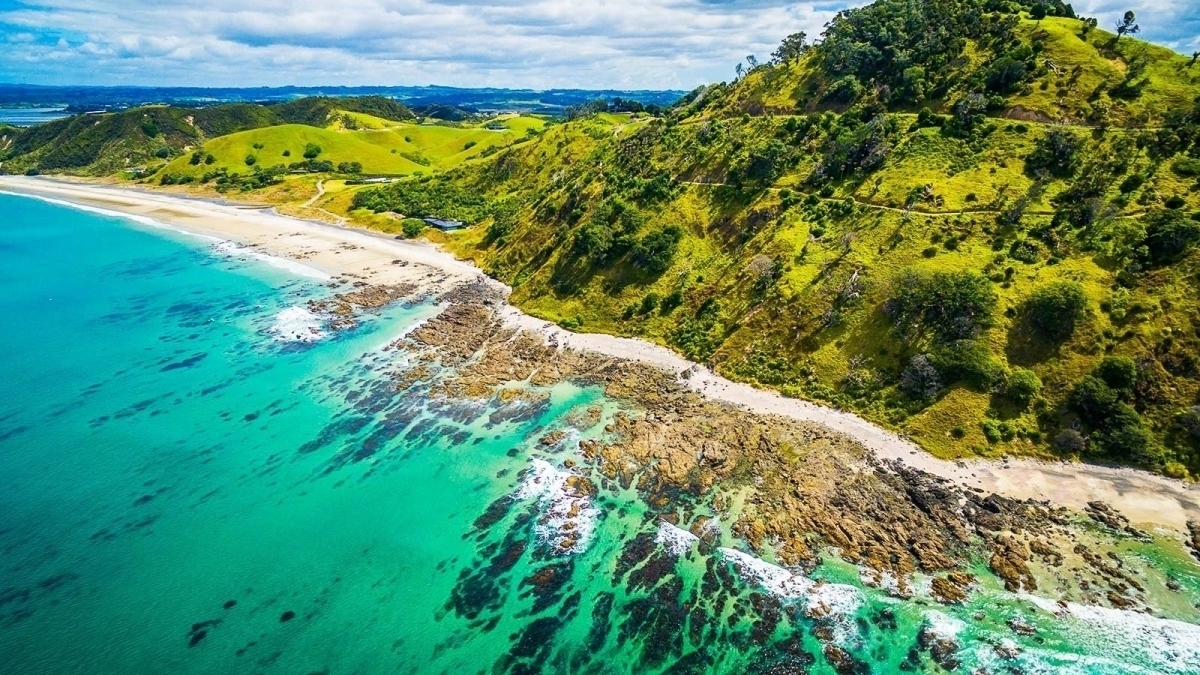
column 229, row 604
column 200, row 630
column 186, row 363
column 287, row 616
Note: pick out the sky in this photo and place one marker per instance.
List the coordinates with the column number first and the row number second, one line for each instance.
column 593, row 44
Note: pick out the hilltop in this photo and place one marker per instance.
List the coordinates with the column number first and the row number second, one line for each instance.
column 962, row 219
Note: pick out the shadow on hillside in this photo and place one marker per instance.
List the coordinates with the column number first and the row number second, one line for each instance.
column 1025, row 347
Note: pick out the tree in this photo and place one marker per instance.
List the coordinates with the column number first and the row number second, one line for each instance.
column 1128, row 25
column 312, row 151
column 1119, row 373
column 655, row 251
column 1038, row 12
column 1022, row 385
column 1088, row 25
column 1169, row 236
column 1195, row 55
column 1055, row 308
column 792, row 48
column 1056, row 153
column 951, row 305
column 752, row 61
column 739, row 70
column 921, row 379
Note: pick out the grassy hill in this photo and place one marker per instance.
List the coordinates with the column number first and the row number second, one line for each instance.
column 103, row 144
column 952, row 265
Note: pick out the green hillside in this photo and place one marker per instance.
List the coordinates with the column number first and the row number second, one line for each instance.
column 353, row 144
column 949, row 264
column 103, row 144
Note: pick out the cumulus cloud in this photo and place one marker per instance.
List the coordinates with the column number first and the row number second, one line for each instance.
column 514, row 43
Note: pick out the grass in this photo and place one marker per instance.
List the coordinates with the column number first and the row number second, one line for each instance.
column 380, row 146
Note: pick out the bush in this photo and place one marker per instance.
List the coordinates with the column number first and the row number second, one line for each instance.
column 921, row 379
column 1186, row 166
column 1132, row 183
column 1022, row 385
column 967, row 361
column 349, row 167
column 655, row 251
column 209, row 160
column 1119, row 373
column 1055, row 308
column 1071, row 442
column 412, row 227
column 287, row 153
column 1169, row 236
column 250, row 160
column 951, row 305
column 162, row 153
column 649, row 303
column 1093, row 400
column 1189, row 422
column 312, row 151
column 1056, row 154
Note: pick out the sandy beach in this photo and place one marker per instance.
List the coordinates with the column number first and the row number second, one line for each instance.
column 1146, row 499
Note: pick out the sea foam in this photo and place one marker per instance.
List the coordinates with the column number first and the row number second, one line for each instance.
column 822, row 600
column 568, row 517
column 297, row 324
column 674, row 540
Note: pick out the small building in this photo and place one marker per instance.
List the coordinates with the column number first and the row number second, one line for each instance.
column 445, row 225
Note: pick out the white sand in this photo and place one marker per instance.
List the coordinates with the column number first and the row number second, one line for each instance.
column 1145, row 498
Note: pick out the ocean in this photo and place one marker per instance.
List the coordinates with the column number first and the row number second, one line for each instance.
column 197, row 475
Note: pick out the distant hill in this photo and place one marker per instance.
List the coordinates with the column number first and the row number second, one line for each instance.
column 91, row 98
column 100, row 144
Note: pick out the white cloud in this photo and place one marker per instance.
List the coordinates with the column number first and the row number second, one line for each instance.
column 515, row 43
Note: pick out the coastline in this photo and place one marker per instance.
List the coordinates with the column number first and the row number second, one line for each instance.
column 372, row 258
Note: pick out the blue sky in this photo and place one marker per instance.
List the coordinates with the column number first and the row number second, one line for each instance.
column 656, row 44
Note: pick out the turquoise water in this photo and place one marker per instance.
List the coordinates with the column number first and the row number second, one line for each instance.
column 185, row 487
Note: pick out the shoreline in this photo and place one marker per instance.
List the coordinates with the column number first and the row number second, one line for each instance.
column 376, row 258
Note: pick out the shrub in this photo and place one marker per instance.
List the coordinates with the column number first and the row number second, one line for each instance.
column 649, row 303
column 1022, row 385
column 349, row 167
column 250, row 160
column 951, row 305
column 1169, row 236
column 1056, row 154
column 655, row 251
column 921, row 379
column 967, row 361
column 209, row 159
column 412, row 227
column 149, row 127
column 1132, row 183
column 469, row 145
column 1186, row 166
column 287, row 153
column 1093, row 399
column 1189, row 422
column 1055, row 308
column 312, row 151
column 991, row 431
column 1070, row 441
column 1175, row 202
column 163, row 152
column 197, row 157
column 1119, row 373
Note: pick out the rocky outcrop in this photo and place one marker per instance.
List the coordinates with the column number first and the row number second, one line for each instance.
column 1009, row 561
column 1194, row 537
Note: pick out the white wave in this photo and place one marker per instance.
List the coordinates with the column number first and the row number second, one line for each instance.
column 232, row 250
column 1124, row 635
column 943, row 625
column 675, row 540
column 297, row 324
column 822, row 600
column 568, row 517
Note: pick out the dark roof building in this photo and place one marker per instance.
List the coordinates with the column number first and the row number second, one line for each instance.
column 445, row 225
